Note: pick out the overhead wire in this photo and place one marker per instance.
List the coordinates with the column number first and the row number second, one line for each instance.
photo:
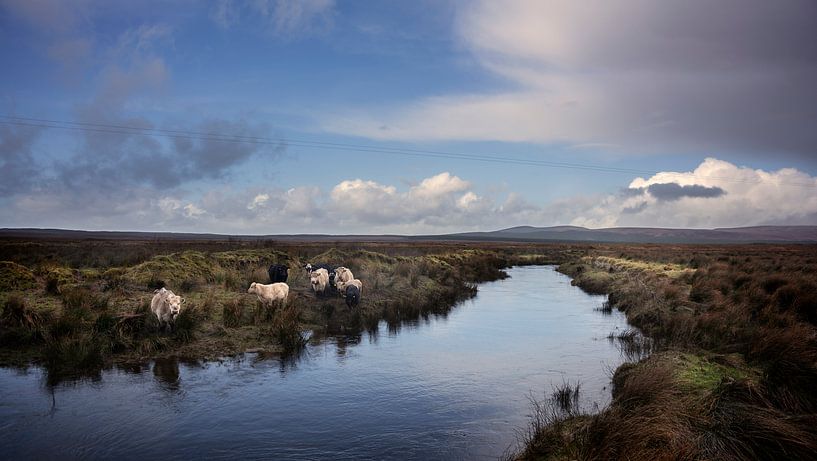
column 281, row 141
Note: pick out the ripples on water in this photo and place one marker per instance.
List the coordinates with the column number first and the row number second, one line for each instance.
column 452, row 387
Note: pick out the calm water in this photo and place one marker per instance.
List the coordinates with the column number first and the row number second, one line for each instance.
column 454, row 387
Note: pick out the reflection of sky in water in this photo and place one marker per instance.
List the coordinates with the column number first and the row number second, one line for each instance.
column 453, row 387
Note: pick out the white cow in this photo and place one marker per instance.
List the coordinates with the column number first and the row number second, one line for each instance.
column 166, row 305
column 355, row 282
column 319, row 278
column 342, row 275
column 271, row 293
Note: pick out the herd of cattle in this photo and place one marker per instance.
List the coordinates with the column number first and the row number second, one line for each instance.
column 324, row 279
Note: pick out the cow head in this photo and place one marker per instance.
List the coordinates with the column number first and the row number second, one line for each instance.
column 308, row 268
column 252, row 288
column 175, row 304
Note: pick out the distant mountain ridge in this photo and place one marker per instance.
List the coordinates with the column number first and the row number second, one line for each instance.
column 758, row 234
column 755, row 234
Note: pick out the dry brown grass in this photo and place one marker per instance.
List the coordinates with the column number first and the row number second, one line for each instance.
column 733, row 378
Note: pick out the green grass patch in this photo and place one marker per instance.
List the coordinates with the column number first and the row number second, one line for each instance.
column 696, row 373
column 16, row 277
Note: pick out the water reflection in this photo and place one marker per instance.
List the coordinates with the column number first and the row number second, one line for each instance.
column 166, row 372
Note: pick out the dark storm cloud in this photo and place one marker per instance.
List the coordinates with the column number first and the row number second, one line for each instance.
column 731, row 74
column 674, row 191
column 635, row 209
column 210, row 156
column 18, row 171
column 115, row 160
column 638, row 76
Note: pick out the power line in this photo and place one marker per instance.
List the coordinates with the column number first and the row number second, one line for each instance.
column 132, row 130
column 231, row 138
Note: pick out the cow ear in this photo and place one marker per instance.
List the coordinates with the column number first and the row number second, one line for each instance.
column 181, row 301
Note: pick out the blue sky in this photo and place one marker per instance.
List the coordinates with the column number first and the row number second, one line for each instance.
column 682, row 92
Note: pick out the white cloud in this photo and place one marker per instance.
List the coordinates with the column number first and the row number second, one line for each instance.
column 302, row 202
column 258, row 201
column 751, row 197
column 468, row 200
column 192, row 211
column 284, row 18
column 289, row 16
column 715, row 194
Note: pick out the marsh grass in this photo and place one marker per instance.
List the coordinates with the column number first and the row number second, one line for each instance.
column 20, row 325
column 566, row 397
column 632, row 344
column 552, row 426
column 231, row 313
column 606, row 308
column 727, row 370
column 286, row 329
column 264, row 313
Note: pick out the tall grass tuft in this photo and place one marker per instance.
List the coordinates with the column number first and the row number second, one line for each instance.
column 231, row 313
column 19, row 324
column 566, row 397
column 186, row 323
column 286, row 329
column 72, row 356
column 264, row 312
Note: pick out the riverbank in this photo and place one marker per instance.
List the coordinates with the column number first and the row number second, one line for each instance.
column 733, row 363
column 78, row 307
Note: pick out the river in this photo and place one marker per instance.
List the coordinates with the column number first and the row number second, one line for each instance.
column 446, row 387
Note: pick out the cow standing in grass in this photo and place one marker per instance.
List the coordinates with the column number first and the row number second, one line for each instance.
column 342, row 286
column 352, row 296
column 166, row 305
column 330, row 271
column 342, row 276
column 319, row 279
column 278, row 273
column 270, row 294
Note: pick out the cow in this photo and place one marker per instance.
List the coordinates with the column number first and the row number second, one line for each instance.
column 352, row 296
column 312, row 267
column 330, row 269
column 278, row 273
column 269, row 294
column 355, row 282
column 342, row 275
column 319, row 278
column 166, row 306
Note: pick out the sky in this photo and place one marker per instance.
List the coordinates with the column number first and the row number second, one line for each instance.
column 408, row 117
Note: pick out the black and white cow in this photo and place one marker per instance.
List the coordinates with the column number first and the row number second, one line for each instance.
column 329, row 269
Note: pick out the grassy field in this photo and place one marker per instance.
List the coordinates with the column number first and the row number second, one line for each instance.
column 76, row 307
column 731, row 370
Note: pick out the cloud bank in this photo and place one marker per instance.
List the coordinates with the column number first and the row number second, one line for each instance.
column 715, row 194
column 635, row 76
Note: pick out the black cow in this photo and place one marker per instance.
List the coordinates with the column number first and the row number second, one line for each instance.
column 352, row 296
column 278, row 273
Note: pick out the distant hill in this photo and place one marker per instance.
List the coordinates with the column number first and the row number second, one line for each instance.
column 757, row 234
